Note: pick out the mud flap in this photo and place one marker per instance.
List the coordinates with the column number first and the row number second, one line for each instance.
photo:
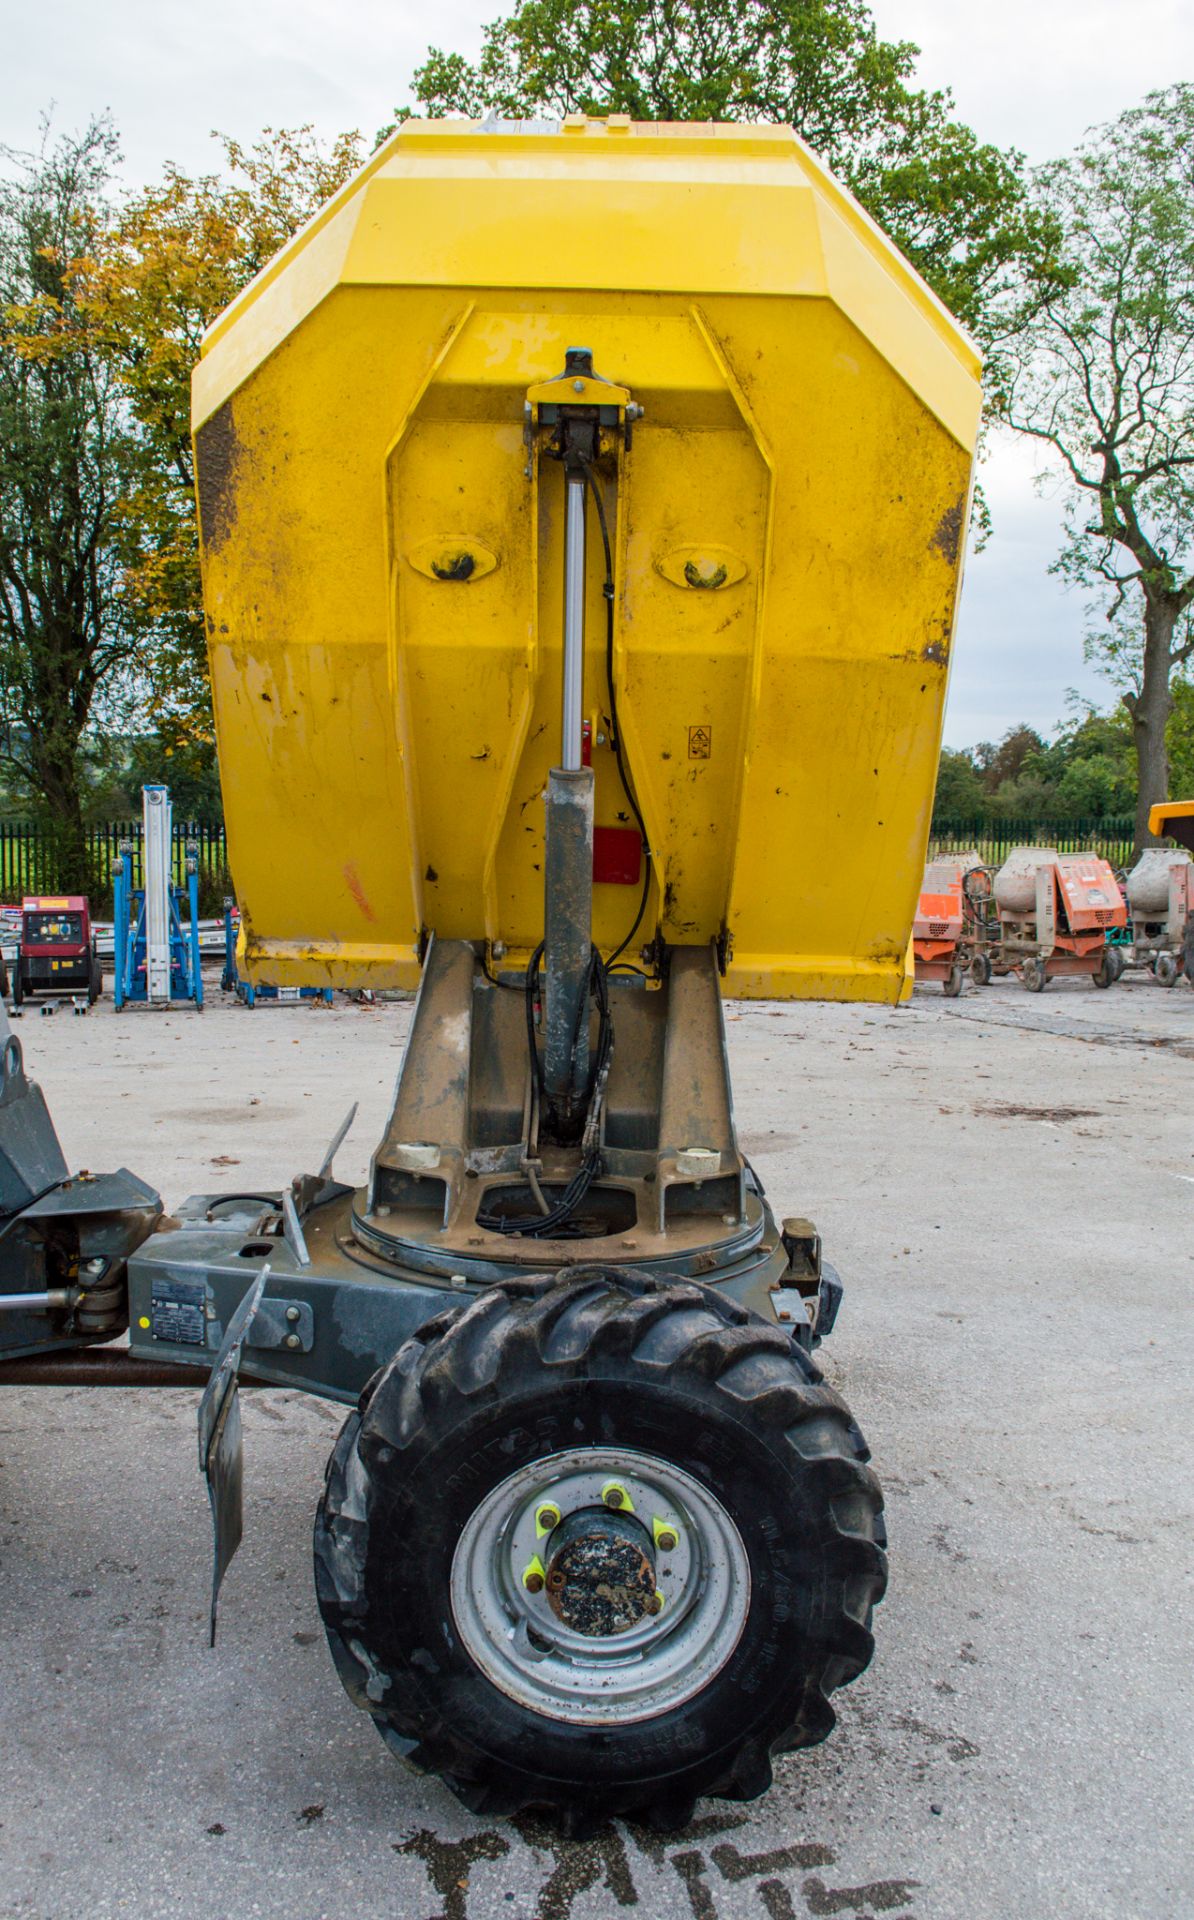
column 221, row 1453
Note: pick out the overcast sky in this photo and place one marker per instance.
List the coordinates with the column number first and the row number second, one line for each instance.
column 1032, row 73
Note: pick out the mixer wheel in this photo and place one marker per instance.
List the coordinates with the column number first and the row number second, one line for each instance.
column 572, row 1470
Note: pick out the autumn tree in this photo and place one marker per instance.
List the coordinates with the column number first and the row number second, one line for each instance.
column 952, row 203
column 1096, row 363
column 66, row 644
column 179, row 251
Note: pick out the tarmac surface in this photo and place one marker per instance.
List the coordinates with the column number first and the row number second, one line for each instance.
column 1006, row 1182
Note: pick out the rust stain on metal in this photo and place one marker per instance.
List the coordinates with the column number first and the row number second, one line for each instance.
column 352, row 881
column 947, row 535
column 217, row 456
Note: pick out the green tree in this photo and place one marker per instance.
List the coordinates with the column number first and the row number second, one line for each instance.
column 960, row 792
column 952, row 203
column 1096, row 362
column 66, row 645
column 1181, row 740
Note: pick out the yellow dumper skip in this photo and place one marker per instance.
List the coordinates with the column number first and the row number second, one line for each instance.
column 383, row 561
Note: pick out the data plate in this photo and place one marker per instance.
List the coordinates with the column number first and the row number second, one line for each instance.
column 177, row 1312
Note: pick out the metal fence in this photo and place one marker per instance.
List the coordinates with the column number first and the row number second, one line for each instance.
column 1111, row 838
column 29, row 857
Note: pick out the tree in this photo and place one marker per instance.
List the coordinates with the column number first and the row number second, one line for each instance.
column 999, row 764
column 953, row 204
column 65, row 643
column 178, row 253
column 960, row 793
column 1096, row 362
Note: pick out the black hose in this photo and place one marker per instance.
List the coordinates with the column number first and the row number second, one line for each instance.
column 614, row 728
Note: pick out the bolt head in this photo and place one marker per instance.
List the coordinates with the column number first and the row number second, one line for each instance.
column 578, row 386
column 292, row 1314
column 292, row 1340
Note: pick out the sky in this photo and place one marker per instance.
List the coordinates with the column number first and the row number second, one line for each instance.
column 1028, row 73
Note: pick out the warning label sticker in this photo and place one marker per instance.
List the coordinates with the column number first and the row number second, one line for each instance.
column 700, row 743
column 176, row 1312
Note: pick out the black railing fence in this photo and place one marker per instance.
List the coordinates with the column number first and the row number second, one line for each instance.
column 994, row 839
column 31, row 859
column 30, row 855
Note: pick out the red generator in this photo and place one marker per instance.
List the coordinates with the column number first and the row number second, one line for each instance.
column 58, row 951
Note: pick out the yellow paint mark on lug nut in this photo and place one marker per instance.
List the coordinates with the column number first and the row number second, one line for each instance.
column 666, row 1536
column 546, row 1519
column 533, row 1575
column 614, row 1494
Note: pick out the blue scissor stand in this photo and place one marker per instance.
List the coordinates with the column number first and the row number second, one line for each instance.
column 248, row 992
column 130, row 945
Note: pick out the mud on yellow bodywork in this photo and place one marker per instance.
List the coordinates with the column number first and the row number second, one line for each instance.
column 383, row 578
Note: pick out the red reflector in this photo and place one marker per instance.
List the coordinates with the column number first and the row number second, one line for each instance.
column 617, row 856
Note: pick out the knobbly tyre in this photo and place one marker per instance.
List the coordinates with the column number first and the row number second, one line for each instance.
column 574, row 652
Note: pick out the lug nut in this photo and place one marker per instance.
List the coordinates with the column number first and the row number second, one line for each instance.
column 653, row 1604
column 547, row 1517
column 614, row 1496
column 533, row 1582
column 666, row 1540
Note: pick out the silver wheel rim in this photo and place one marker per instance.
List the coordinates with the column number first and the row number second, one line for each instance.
column 520, row 1645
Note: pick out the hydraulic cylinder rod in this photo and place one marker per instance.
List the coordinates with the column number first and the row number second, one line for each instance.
column 568, row 922
column 568, row 861
column 574, row 622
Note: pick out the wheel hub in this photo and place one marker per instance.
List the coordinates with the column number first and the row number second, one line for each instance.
column 601, row 1573
column 600, row 1586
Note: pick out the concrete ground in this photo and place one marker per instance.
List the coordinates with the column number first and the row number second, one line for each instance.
column 1006, row 1182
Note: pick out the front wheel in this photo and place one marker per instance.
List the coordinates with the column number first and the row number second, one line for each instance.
column 1107, row 973
column 951, row 986
column 1033, row 975
column 598, row 1545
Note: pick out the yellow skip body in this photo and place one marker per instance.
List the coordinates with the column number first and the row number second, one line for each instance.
column 383, row 575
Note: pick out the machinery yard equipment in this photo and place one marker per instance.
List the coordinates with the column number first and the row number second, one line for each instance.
column 954, row 929
column 156, row 926
column 1160, row 890
column 57, row 951
column 567, row 682
column 249, row 992
column 1055, row 912
column 1174, row 819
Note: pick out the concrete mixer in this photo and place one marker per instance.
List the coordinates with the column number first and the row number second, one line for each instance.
column 581, row 512
column 1174, row 820
column 955, row 926
column 1160, row 890
column 1055, row 912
